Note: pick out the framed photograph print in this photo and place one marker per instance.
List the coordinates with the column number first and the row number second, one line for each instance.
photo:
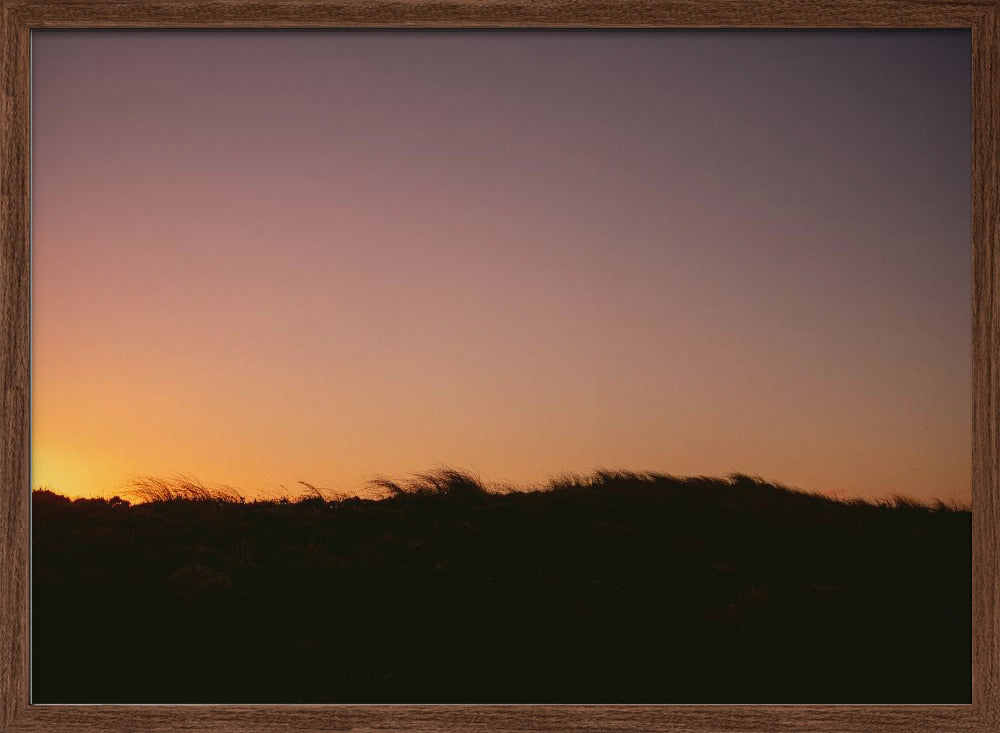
column 499, row 366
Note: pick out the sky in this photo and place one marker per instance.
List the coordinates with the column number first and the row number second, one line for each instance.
column 268, row 257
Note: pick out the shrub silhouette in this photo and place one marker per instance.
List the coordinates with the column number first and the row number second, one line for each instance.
column 619, row 587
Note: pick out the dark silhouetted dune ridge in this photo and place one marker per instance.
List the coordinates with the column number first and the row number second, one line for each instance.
column 616, row 588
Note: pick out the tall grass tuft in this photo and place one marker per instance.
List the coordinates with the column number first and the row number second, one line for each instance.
column 440, row 482
column 150, row 489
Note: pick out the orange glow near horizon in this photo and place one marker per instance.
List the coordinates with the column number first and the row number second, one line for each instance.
column 265, row 258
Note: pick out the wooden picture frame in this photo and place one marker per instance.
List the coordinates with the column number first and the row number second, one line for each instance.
column 20, row 17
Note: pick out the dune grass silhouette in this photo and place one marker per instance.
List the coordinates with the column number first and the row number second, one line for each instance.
column 618, row 587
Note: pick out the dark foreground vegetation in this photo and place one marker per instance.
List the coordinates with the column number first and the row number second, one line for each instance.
column 617, row 588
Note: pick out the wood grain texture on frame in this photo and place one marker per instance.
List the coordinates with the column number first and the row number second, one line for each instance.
column 18, row 18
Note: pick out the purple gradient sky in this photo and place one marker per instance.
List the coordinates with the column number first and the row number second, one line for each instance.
column 264, row 257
